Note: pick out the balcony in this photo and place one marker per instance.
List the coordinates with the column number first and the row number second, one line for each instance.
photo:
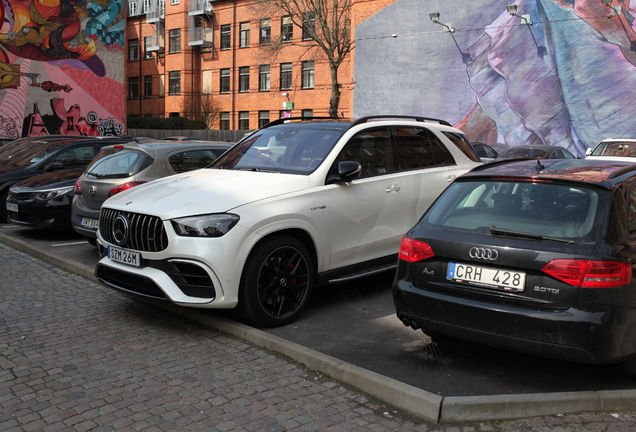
column 155, row 11
column 200, row 7
column 200, row 36
column 154, row 43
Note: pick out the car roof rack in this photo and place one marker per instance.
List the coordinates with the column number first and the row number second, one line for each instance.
column 391, row 116
column 500, row 162
column 283, row 120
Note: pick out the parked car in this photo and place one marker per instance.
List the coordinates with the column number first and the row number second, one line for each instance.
column 6, row 140
column 615, row 149
column 260, row 233
column 536, row 152
column 530, row 256
column 121, row 167
column 485, row 152
column 180, row 138
column 43, row 201
column 32, row 157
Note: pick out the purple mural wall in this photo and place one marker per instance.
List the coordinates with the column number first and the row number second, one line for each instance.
column 558, row 72
column 62, row 67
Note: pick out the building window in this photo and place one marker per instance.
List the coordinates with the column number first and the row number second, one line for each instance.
column 309, row 25
column 132, row 8
column 263, row 118
column 245, row 35
column 244, row 120
column 206, row 82
column 308, row 74
column 147, row 43
column 175, row 41
column 133, row 49
column 286, row 29
column 225, row 36
column 263, row 78
column 266, row 31
column 244, row 79
column 148, row 86
column 174, row 82
column 285, row 76
column 224, row 120
column 174, row 2
column 225, row 81
column 308, row 113
column 133, row 87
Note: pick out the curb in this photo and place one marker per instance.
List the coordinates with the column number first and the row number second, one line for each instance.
column 428, row 406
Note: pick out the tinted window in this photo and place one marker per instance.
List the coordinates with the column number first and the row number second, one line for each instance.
column 372, row 149
column 460, row 141
column 615, row 148
column 546, row 209
column 124, row 163
column 191, row 160
column 76, row 157
column 420, row 148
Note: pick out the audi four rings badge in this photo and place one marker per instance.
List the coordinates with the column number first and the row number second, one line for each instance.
column 483, row 253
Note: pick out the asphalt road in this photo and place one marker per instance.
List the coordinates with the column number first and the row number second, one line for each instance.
column 356, row 323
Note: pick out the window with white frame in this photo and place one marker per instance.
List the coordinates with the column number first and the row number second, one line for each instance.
column 244, row 79
column 285, row 76
column 266, row 31
column 308, row 74
column 286, row 29
column 244, row 41
column 225, row 37
column 174, row 41
column 263, row 78
column 225, row 80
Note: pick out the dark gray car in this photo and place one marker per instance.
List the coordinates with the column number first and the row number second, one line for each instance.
column 121, row 167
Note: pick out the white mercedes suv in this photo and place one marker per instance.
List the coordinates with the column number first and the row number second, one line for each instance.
column 257, row 230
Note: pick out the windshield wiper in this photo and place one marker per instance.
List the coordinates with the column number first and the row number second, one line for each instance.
column 524, row 235
column 255, row 169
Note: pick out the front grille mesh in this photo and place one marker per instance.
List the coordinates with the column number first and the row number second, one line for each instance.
column 146, row 233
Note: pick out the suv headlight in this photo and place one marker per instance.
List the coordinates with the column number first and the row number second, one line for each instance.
column 209, row 225
column 51, row 193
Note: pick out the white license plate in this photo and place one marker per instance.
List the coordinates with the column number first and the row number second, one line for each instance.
column 486, row 277
column 124, row 256
column 89, row 223
column 12, row 207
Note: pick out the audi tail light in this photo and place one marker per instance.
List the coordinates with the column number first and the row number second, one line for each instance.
column 77, row 188
column 590, row 274
column 123, row 187
column 412, row 250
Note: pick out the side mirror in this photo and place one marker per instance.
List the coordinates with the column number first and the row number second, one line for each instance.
column 347, row 171
column 588, row 151
column 54, row 166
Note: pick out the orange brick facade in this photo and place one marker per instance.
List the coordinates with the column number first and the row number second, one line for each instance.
column 199, row 67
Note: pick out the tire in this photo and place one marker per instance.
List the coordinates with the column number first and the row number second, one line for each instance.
column 276, row 282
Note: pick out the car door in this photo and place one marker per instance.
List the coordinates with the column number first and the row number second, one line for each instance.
column 427, row 167
column 366, row 215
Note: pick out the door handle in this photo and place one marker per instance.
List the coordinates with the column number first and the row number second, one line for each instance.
column 393, row 188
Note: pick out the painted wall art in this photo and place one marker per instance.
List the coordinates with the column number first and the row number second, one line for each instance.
column 557, row 72
column 62, row 67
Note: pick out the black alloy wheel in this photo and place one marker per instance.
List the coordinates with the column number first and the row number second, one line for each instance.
column 276, row 282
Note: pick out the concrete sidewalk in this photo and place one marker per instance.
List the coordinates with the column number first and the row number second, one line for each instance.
column 34, row 285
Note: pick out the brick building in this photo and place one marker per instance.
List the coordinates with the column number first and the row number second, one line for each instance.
column 187, row 57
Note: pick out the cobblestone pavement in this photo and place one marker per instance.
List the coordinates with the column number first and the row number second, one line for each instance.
column 78, row 357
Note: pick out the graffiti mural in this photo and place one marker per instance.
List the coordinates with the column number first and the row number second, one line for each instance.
column 61, row 53
column 557, row 72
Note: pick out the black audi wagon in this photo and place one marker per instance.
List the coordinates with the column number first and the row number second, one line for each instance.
column 532, row 256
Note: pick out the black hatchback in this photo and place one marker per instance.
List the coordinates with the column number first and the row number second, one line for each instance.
column 532, row 256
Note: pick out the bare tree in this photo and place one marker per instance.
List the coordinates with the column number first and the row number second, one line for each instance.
column 326, row 27
column 200, row 107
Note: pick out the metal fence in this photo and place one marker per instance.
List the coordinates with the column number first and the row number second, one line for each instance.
column 206, row 135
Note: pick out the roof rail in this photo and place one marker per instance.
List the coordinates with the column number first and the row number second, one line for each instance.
column 387, row 116
column 283, row 120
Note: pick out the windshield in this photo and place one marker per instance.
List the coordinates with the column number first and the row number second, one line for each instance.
column 523, row 153
column 569, row 212
column 289, row 148
column 615, row 148
column 116, row 162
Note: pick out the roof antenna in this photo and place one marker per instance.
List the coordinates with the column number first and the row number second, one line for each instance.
column 539, row 167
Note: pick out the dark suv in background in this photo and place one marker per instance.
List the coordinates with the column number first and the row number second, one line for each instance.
column 532, row 256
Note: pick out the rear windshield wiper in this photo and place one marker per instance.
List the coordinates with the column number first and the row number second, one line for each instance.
column 118, row 175
column 524, row 235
